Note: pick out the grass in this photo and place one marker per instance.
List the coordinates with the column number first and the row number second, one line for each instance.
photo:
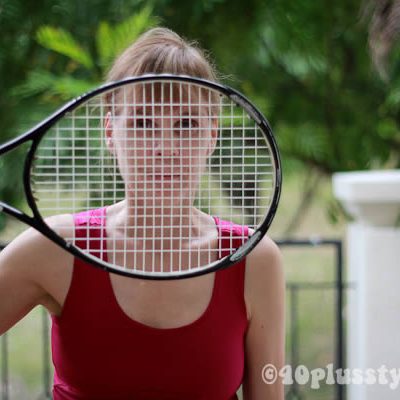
column 315, row 318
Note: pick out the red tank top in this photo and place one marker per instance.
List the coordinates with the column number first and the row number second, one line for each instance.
column 99, row 353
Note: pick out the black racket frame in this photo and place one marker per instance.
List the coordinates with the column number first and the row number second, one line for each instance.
column 37, row 132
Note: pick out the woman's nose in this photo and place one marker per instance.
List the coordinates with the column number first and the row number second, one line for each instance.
column 167, row 145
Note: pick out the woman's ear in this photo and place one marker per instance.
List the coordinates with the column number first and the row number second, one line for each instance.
column 108, row 129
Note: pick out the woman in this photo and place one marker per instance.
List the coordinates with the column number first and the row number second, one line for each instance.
column 120, row 338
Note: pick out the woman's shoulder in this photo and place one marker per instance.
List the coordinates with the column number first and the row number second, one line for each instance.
column 265, row 256
column 37, row 269
column 31, row 242
column 33, row 257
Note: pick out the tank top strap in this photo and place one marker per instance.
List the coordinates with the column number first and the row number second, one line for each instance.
column 232, row 236
column 90, row 231
column 90, row 234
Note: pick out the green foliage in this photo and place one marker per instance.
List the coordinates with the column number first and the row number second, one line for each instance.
column 305, row 64
column 308, row 142
column 111, row 41
column 82, row 70
column 62, row 42
column 41, row 81
column 308, row 69
column 35, row 80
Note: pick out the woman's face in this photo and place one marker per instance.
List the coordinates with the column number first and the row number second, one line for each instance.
column 162, row 138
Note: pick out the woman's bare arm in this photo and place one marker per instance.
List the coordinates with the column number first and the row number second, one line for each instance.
column 28, row 268
column 265, row 339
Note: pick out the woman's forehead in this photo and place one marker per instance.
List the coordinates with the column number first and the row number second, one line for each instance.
column 163, row 98
column 167, row 93
column 165, row 110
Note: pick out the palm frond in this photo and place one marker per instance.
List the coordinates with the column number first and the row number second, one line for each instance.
column 105, row 43
column 62, row 42
column 68, row 87
column 43, row 82
column 36, row 83
column 111, row 41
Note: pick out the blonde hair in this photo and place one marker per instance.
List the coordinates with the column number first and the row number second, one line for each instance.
column 160, row 50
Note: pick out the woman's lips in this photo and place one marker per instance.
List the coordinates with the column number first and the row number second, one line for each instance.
column 164, row 176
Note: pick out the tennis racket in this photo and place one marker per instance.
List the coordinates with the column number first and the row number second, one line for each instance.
column 162, row 155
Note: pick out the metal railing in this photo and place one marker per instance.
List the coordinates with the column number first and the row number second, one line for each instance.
column 293, row 289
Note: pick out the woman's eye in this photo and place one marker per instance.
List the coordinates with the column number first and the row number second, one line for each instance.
column 188, row 123
column 144, row 123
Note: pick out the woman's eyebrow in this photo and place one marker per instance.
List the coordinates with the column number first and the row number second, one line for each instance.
column 148, row 111
column 195, row 112
column 138, row 111
column 178, row 111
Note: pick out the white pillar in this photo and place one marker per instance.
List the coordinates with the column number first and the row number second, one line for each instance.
column 373, row 259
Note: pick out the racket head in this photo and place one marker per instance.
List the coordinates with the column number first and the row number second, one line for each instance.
column 183, row 142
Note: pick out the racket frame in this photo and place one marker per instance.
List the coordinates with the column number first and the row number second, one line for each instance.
column 36, row 133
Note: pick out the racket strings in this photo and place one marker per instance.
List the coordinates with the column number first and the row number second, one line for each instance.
column 163, row 157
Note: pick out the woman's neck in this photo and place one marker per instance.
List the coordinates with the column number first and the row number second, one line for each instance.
column 169, row 227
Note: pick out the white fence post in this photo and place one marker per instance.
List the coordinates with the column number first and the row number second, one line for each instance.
column 373, row 259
